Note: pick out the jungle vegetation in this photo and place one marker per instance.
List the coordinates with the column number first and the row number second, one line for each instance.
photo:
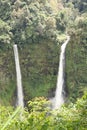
column 39, row 27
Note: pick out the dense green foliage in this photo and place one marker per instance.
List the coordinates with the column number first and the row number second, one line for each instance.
column 33, row 25
column 81, row 5
column 39, row 117
column 39, row 27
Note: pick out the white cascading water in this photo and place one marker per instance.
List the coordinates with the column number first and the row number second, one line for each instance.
column 20, row 101
column 59, row 99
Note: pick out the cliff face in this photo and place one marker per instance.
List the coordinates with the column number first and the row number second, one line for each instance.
column 39, row 33
column 39, row 63
column 7, row 77
column 76, row 69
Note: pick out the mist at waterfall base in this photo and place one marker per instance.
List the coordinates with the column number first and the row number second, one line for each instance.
column 20, row 101
column 58, row 100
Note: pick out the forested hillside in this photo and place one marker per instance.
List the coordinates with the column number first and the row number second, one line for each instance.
column 39, row 28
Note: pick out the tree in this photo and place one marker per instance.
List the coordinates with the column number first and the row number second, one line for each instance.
column 5, row 33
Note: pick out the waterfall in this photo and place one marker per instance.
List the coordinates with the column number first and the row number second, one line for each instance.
column 59, row 97
column 20, row 101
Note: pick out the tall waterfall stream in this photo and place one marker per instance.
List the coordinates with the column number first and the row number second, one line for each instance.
column 58, row 100
column 20, row 96
column 59, row 97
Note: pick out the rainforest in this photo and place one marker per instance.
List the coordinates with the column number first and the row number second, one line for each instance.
column 40, row 41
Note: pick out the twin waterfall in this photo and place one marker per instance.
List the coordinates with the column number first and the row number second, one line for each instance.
column 59, row 97
column 20, row 101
